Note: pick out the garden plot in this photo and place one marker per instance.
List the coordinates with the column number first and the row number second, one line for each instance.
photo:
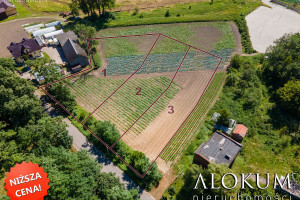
column 152, row 86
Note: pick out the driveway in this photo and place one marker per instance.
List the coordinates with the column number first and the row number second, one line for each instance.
column 55, row 53
column 12, row 31
column 268, row 24
column 80, row 142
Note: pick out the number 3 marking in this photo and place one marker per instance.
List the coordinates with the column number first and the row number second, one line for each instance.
column 171, row 111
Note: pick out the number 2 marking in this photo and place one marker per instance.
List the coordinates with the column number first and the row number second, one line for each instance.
column 138, row 91
column 171, row 111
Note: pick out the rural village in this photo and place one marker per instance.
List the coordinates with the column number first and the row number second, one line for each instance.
column 129, row 100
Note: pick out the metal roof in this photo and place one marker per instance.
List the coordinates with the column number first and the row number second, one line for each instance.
column 219, row 149
column 43, row 31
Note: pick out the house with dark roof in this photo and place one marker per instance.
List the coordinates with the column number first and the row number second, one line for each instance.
column 6, row 9
column 293, row 191
column 219, row 149
column 27, row 48
column 74, row 53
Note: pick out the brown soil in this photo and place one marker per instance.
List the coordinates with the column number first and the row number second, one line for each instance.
column 144, row 43
column 165, row 182
column 206, row 36
column 129, row 5
column 153, row 139
column 237, row 37
column 13, row 32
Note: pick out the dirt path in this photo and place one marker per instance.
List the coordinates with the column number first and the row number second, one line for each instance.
column 237, row 37
column 104, row 64
column 153, row 139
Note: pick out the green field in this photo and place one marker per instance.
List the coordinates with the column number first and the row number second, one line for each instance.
column 220, row 10
column 216, row 38
column 48, row 6
column 186, row 32
column 124, row 107
column 38, row 8
column 194, row 122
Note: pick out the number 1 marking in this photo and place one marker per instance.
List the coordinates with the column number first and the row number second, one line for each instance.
column 104, row 72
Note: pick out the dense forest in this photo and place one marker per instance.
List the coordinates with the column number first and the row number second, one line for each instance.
column 28, row 134
column 262, row 92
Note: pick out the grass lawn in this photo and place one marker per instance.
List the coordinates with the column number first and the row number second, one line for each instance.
column 220, row 10
column 47, row 6
column 22, row 11
column 37, row 8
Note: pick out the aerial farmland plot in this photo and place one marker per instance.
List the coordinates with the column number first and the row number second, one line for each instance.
column 156, row 84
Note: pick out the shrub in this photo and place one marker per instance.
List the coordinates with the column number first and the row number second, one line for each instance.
column 243, row 29
column 136, row 11
column 178, row 15
column 167, row 14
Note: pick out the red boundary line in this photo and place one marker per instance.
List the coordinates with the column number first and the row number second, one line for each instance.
column 154, row 101
column 139, row 174
column 124, row 81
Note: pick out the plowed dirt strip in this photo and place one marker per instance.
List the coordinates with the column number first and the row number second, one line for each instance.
column 192, row 125
column 153, row 139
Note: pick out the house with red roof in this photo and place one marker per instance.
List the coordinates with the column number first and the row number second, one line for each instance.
column 239, row 132
column 6, row 9
column 28, row 48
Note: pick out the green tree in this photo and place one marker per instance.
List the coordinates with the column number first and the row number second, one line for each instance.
column 74, row 7
column 50, row 71
column 62, row 94
column 8, row 63
column 282, row 63
column 84, row 33
column 224, row 118
column 289, row 96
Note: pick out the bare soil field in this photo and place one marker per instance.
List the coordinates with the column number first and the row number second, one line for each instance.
column 13, row 32
column 153, row 139
column 127, row 5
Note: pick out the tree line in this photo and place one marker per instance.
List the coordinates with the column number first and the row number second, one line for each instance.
column 28, row 134
column 104, row 130
column 90, row 7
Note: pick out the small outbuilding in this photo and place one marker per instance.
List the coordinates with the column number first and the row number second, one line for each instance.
column 239, row 132
column 219, row 149
column 39, row 79
column 6, row 9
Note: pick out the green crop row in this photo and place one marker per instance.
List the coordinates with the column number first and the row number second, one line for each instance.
column 124, row 107
column 191, row 126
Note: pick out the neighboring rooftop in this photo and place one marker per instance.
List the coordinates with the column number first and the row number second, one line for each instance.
column 219, row 149
column 72, row 50
column 240, row 129
column 5, row 4
column 294, row 191
column 17, row 49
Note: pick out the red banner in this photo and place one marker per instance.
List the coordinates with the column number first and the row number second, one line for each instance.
column 27, row 181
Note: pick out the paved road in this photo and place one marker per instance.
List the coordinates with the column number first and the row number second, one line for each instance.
column 81, row 142
column 268, row 24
